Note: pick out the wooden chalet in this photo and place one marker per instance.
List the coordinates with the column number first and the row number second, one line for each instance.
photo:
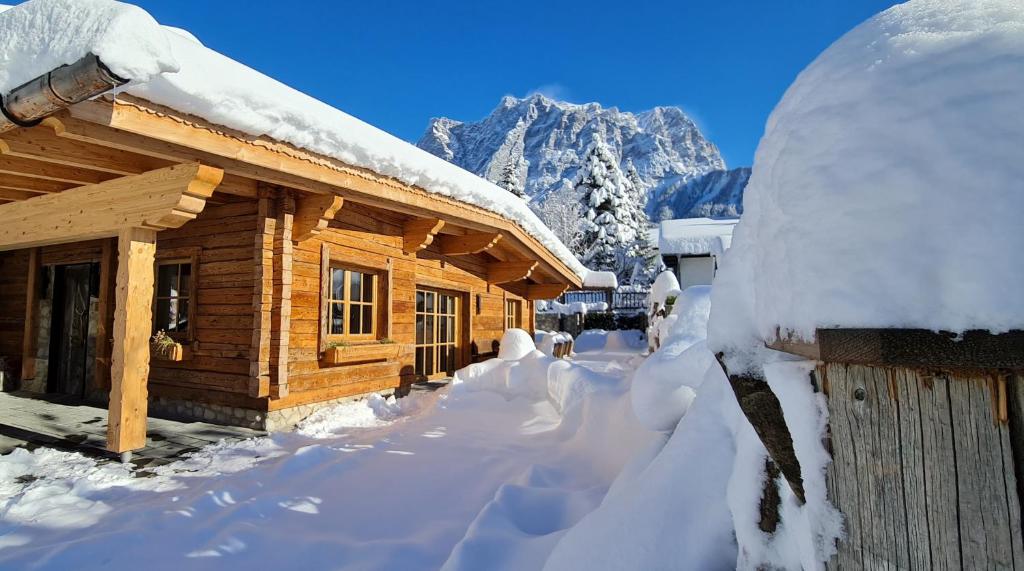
column 282, row 279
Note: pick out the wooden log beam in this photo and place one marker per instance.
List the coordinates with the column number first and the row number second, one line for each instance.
column 15, row 195
column 42, row 144
column 165, row 198
column 49, row 171
column 504, row 272
column 312, row 214
column 468, row 243
column 34, row 185
column 133, row 324
column 545, row 291
column 419, row 233
column 910, row 348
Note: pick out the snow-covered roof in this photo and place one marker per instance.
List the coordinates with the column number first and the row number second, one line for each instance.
column 170, row 67
column 886, row 190
column 600, row 280
column 696, row 236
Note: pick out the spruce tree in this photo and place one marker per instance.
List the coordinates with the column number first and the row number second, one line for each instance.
column 640, row 252
column 510, row 176
column 604, row 192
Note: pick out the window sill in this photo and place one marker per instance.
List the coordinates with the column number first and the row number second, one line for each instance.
column 360, row 353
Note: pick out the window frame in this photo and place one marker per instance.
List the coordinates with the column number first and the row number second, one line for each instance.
column 188, row 257
column 348, row 303
column 513, row 314
column 456, row 331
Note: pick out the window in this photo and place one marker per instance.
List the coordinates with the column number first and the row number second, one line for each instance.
column 173, row 298
column 353, row 303
column 513, row 314
column 437, row 333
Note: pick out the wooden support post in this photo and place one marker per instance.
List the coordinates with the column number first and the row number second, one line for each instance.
column 259, row 363
column 28, row 341
column 281, row 306
column 133, row 324
column 108, row 266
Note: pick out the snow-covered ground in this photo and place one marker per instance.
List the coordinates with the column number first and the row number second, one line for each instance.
column 478, row 478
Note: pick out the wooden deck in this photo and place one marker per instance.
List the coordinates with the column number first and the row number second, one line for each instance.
column 29, row 421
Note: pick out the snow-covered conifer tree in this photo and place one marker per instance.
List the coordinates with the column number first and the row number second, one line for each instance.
column 510, row 180
column 604, row 192
column 562, row 213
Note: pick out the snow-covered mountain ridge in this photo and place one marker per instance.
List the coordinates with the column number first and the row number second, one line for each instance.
column 542, row 142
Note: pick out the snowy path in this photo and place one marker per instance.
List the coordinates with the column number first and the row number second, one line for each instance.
column 395, row 496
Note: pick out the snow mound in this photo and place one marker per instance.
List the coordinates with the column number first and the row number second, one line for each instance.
column 666, row 382
column 666, row 285
column 546, row 340
column 886, row 189
column 42, row 35
column 515, row 344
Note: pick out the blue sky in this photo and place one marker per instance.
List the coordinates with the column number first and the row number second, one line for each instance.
column 397, row 63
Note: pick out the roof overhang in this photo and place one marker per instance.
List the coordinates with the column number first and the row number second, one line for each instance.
column 129, row 124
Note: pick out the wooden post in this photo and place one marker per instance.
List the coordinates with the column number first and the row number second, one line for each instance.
column 281, row 304
column 28, row 341
column 133, row 324
column 926, row 445
column 108, row 263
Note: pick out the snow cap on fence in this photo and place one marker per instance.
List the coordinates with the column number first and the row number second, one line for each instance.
column 886, row 189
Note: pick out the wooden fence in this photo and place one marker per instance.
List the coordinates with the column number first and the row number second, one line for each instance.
column 927, row 441
column 625, row 300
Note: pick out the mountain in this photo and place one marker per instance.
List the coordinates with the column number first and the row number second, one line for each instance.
column 542, row 142
column 716, row 193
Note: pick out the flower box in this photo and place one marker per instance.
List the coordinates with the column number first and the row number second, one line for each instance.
column 363, row 353
column 167, row 351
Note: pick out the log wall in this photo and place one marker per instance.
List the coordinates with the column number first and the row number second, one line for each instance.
column 216, row 369
column 364, row 237
column 256, row 332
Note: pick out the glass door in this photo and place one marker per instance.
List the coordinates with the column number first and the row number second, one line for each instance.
column 437, row 333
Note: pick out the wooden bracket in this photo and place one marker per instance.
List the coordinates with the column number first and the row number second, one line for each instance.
column 504, row 272
column 419, row 233
column 468, row 243
column 156, row 200
column 313, row 213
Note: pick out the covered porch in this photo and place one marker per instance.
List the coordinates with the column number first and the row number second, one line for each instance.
column 58, row 421
column 132, row 209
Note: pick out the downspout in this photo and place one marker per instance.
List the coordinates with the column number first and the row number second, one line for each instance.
column 31, row 102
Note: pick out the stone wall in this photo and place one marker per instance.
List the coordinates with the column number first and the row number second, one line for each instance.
column 273, row 421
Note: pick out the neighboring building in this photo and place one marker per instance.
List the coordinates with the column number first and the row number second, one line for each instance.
column 284, row 275
column 690, row 247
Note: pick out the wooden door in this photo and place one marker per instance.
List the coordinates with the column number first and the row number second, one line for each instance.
column 438, row 333
column 72, row 333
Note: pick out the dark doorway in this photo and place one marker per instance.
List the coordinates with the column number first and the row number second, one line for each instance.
column 72, row 335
